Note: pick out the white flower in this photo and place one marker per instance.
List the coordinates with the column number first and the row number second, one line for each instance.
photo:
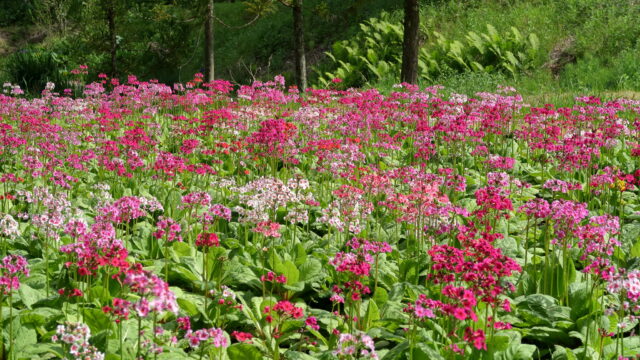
column 9, row 226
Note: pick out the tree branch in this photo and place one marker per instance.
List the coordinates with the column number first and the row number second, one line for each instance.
column 237, row 27
column 283, row 2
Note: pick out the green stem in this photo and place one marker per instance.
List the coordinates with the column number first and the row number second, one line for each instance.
column 166, row 261
column 565, row 263
column 139, row 337
column 46, row 265
column 11, row 349
column 204, row 278
column 1, row 322
column 120, row 337
column 586, row 341
column 153, row 331
column 375, row 283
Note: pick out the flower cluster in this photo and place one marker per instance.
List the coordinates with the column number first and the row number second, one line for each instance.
column 627, row 284
column 271, row 277
column 9, row 227
column 154, row 292
column 207, row 240
column 120, row 309
column 95, row 248
column 480, row 265
column 168, row 229
column 75, row 339
column 128, row 208
column 360, row 345
column 274, row 138
column 357, row 264
column 348, row 211
column 264, row 196
column 267, row 229
column 284, row 309
column 197, row 198
column 11, row 268
column 204, row 337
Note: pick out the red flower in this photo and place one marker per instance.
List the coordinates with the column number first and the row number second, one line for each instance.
column 242, row 336
column 476, row 337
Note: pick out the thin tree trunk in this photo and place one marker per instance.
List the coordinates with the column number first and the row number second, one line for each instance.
column 209, row 66
column 113, row 40
column 410, row 45
column 298, row 44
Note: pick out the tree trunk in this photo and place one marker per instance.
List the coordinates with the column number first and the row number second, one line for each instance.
column 410, row 45
column 298, row 44
column 113, row 40
column 209, row 66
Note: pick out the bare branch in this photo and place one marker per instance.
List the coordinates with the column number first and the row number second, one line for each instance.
column 285, row 3
column 237, row 27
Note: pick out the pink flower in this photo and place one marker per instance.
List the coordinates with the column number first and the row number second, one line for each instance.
column 213, row 336
column 184, row 323
column 268, row 229
column 477, row 338
column 312, row 322
column 168, row 229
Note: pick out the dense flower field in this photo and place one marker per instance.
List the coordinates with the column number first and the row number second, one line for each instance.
column 202, row 221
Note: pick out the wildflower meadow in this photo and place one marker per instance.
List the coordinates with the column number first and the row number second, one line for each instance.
column 207, row 221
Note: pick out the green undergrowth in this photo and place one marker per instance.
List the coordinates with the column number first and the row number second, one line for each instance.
column 597, row 39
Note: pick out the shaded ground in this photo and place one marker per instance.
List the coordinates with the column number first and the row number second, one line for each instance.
column 14, row 37
column 5, row 47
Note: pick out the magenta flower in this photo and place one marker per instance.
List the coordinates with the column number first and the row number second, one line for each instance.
column 168, row 229
column 11, row 268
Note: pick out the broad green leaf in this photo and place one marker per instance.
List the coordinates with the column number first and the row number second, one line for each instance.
column 372, row 314
column 96, row 320
column 188, row 306
column 290, row 270
column 243, row 352
column 296, row 355
column 311, row 270
column 29, row 295
column 397, row 351
column 380, row 296
column 24, row 338
column 182, row 249
column 425, row 352
column 635, row 250
column 547, row 335
column 562, row 353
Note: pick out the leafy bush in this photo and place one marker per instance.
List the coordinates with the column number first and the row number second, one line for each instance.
column 15, row 12
column 32, row 68
column 375, row 53
column 487, row 52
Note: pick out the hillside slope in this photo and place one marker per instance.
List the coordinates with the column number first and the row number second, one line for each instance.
column 585, row 45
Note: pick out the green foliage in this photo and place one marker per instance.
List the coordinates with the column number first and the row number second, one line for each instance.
column 618, row 72
column 264, row 49
column 14, row 12
column 603, row 27
column 163, row 40
column 375, row 53
column 510, row 52
column 33, row 67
